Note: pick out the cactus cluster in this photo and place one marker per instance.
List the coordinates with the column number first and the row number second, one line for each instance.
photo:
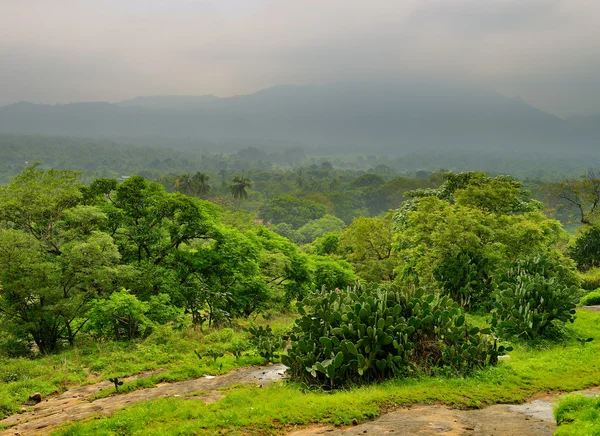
column 265, row 341
column 532, row 306
column 361, row 335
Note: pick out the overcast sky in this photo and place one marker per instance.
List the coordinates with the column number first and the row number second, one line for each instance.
column 58, row 51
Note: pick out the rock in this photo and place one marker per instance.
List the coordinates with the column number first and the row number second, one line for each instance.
column 354, row 421
column 37, row 397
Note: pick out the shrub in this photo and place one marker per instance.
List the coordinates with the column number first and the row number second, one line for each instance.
column 590, row 279
column 362, row 335
column 532, row 305
column 591, row 299
column 331, row 273
column 123, row 317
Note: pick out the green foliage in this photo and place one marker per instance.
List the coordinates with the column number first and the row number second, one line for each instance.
column 578, row 415
column 591, row 299
column 463, row 234
column 361, row 335
column 292, row 210
column 327, row 244
column 265, row 341
column 367, row 244
column 465, row 278
column 532, row 306
column 586, row 250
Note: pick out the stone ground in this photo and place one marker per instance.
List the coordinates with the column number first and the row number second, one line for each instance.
column 74, row 405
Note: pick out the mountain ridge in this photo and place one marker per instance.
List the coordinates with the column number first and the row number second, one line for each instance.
column 391, row 118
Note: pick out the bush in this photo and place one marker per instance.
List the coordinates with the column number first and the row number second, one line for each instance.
column 591, row 299
column 532, row 306
column 590, row 279
column 331, row 273
column 361, row 335
column 123, row 317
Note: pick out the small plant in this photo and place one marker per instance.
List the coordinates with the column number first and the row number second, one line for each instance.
column 214, row 353
column 210, row 352
column 116, row 382
column 498, row 351
column 584, row 341
column 237, row 347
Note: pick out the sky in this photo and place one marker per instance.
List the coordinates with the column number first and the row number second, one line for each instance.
column 60, row 51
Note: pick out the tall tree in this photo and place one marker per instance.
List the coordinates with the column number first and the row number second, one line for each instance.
column 579, row 195
column 238, row 187
column 201, row 184
column 185, row 184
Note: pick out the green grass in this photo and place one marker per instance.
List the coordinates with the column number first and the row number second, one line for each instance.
column 577, row 415
column 564, row 366
column 167, row 350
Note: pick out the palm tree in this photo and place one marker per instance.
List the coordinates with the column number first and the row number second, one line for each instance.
column 184, row 184
column 238, row 187
column 201, row 184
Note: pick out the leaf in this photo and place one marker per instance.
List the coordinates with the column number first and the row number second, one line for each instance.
column 339, row 359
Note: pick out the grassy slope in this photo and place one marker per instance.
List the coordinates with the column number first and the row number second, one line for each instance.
column 170, row 351
column 558, row 367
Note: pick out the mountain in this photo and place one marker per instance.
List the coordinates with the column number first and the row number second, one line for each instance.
column 392, row 118
column 181, row 102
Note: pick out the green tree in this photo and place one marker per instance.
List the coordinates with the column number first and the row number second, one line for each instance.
column 316, row 228
column 579, row 196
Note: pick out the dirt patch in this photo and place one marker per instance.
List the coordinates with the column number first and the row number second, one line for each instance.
column 591, row 308
column 531, row 418
column 73, row 406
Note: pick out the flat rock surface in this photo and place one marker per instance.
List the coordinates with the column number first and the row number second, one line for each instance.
column 73, row 405
column 532, row 418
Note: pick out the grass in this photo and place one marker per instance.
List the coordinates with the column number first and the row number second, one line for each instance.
column 577, row 415
column 591, row 298
column 166, row 350
column 564, row 366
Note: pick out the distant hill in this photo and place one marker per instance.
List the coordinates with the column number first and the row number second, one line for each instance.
column 391, row 118
column 181, row 102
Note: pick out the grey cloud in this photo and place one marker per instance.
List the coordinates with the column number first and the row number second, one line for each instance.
column 73, row 50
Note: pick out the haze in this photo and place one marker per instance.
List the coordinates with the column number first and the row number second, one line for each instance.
column 546, row 51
